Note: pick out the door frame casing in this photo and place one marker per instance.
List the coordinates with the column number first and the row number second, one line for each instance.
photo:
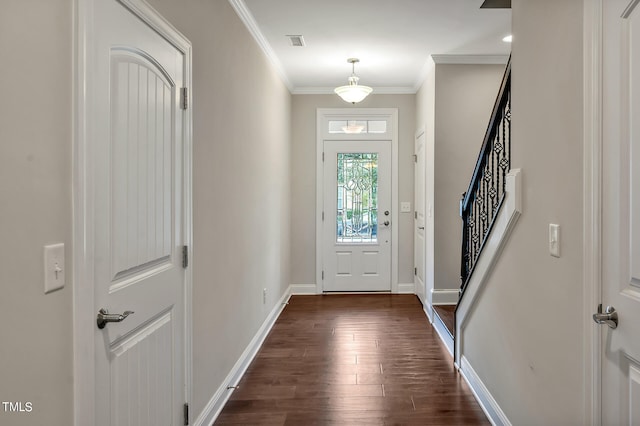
column 421, row 132
column 322, row 116
column 83, row 221
column 592, row 207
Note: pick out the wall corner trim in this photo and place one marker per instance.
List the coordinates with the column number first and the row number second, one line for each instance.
column 215, row 405
column 482, row 394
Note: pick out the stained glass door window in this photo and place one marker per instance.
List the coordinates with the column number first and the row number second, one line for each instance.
column 357, row 204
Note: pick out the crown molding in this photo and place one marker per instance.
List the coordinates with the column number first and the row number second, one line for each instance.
column 428, row 68
column 471, row 59
column 376, row 91
column 249, row 21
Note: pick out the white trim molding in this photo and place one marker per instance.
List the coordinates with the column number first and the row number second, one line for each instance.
column 215, row 405
column 376, row 91
column 441, row 296
column 249, row 21
column 471, row 59
column 483, row 396
column 323, row 115
column 303, row 289
column 443, row 332
column 406, row 288
column 502, row 228
column 592, row 204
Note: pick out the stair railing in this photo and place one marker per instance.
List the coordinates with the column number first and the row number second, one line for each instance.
column 481, row 203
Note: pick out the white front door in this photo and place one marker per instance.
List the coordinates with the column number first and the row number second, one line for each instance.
column 621, row 212
column 357, row 216
column 420, row 219
column 136, row 166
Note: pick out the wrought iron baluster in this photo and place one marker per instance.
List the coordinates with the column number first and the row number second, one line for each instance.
column 481, row 203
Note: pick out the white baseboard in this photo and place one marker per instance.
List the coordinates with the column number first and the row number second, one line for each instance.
column 441, row 296
column 216, row 403
column 300, row 289
column 303, row 289
column 406, row 288
column 482, row 394
column 428, row 311
column 443, row 333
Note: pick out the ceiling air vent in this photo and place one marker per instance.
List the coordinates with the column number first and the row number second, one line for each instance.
column 296, row 40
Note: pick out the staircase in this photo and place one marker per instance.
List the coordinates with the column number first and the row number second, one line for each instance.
column 481, row 204
column 489, row 210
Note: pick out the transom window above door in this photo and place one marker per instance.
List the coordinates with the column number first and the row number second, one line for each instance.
column 357, row 126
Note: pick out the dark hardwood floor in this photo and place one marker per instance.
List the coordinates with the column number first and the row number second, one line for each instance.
column 352, row 359
column 446, row 314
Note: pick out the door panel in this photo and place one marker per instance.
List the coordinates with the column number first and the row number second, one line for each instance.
column 357, row 210
column 141, row 128
column 140, row 390
column 621, row 210
column 137, row 156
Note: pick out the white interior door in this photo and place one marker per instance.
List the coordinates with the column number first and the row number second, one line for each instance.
column 357, row 216
column 621, row 211
column 420, row 219
column 137, row 174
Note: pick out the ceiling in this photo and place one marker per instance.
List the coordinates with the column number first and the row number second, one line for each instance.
column 392, row 39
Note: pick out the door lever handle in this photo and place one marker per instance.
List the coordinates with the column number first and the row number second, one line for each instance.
column 420, row 227
column 609, row 316
column 104, row 317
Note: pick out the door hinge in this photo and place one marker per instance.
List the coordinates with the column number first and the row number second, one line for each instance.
column 184, row 98
column 185, row 411
column 185, row 256
column 415, row 158
column 323, row 156
column 322, row 215
column 415, row 271
column 323, row 275
column 415, row 215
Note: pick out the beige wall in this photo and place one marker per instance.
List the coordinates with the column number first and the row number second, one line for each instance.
column 241, row 197
column 241, row 147
column 35, row 208
column 303, row 157
column 524, row 338
column 464, row 98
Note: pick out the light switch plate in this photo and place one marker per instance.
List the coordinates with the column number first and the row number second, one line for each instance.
column 54, row 274
column 554, row 240
column 405, row 207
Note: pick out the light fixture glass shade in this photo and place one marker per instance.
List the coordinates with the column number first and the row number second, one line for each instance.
column 353, row 92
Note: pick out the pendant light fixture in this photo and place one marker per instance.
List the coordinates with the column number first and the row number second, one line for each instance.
column 353, row 92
